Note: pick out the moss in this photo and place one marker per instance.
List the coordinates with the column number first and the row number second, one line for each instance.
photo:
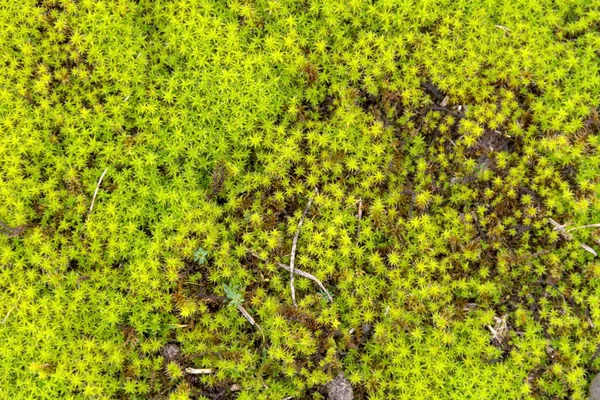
column 434, row 139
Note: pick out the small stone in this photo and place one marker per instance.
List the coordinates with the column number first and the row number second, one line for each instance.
column 171, row 352
column 595, row 388
column 340, row 389
column 235, row 387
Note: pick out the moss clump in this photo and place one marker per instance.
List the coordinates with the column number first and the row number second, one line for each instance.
column 435, row 140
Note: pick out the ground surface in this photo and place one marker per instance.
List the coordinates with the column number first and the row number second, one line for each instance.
column 426, row 146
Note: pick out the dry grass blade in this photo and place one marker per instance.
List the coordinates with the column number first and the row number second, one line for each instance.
column 560, row 228
column 96, row 192
column 293, row 255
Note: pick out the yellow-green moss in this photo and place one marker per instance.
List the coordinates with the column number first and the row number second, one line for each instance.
column 458, row 127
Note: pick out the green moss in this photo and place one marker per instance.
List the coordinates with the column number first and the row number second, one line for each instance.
column 435, row 139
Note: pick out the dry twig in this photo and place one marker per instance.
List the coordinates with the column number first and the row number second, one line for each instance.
column 567, row 236
column 96, row 193
column 293, row 255
column 298, row 272
column 247, row 315
column 198, row 371
column 584, row 226
column 9, row 311
column 11, row 232
column 500, row 330
column 309, row 276
column 360, row 210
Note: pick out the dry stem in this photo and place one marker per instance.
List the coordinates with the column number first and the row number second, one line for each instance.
column 198, row 371
column 247, row 315
column 9, row 311
column 567, row 236
column 309, row 276
column 299, row 272
column 359, row 219
column 293, row 255
column 96, row 193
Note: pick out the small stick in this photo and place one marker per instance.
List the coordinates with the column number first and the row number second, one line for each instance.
column 584, row 226
column 247, row 315
column 96, row 193
column 494, row 333
column 560, row 228
column 5, row 227
column 299, row 272
column 567, row 236
column 293, row 255
column 359, row 218
column 11, row 232
column 309, row 276
column 446, row 109
column 198, row 371
column 536, row 254
column 9, row 311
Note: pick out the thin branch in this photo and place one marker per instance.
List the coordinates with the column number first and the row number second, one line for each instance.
column 584, row 226
column 293, row 255
column 199, row 371
column 297, row 272
column 96, row 193
column 5, row 227
column 446, row 109
column 12, row 232
column 561, row 229
column 247, row 315
column 9, row 311
column 567, row 236
column 359, row 218
column 536, row 254
column 309, row 276
column 433, row 90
